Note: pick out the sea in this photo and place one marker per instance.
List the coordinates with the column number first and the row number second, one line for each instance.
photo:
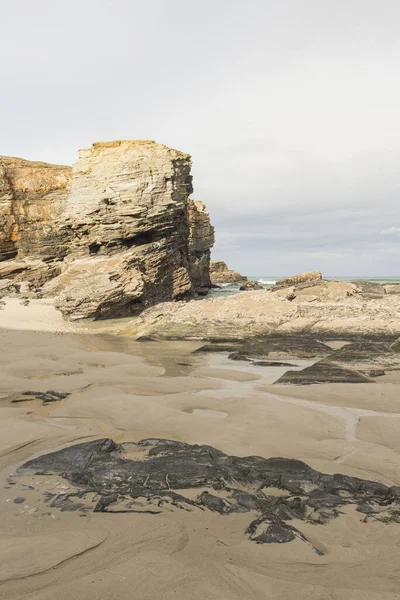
column 268, row 281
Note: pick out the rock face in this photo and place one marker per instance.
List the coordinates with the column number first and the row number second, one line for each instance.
column 32, row 198
column 201, row 240
column 220, row 273
column 116, row 234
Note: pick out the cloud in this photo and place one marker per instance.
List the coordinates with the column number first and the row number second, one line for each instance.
column 391, row 231
column 291, row 115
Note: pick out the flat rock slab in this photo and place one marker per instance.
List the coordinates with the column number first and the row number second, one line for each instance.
column 292, row 346
column 143, row 477
column 370, row 352
column 45, row 397
column 323, row 371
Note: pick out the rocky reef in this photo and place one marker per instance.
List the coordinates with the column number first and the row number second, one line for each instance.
column 151, row 475
column 114, row 235
column 220, row 273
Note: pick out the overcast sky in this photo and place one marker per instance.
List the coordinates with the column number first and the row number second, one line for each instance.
column 290, row 110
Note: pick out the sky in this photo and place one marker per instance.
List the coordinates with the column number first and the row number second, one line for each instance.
column 290, row 110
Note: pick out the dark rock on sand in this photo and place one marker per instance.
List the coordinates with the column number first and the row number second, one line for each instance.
column 19, row 500
column 323, row 371
column 374, row 373
column 369, row 351
column 271, row 363
column 289, row 346
column 46, row 397
column 122, row 484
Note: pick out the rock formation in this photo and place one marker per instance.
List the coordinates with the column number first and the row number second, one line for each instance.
column 220, row 273
column 305, row 278
column 32, row 197
column 115, row 234
column 326, row 308
column 201, row 240
column 162, row 470
column 250, row 286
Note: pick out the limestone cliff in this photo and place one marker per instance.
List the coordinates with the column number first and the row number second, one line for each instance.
column 119, row 228
column 32, row 197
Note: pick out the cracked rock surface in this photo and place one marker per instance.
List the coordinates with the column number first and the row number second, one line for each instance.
column 153, row 474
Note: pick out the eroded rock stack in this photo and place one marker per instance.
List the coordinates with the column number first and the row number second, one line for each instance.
column 115, row 234
column 220, row 273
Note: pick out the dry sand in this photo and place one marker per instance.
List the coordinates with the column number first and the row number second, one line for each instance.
column 128, row 391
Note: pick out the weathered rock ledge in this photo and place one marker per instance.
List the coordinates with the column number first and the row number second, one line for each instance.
column 331, row 308
column 113, row 235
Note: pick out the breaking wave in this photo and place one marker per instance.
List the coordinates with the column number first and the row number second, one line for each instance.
column 266, row 281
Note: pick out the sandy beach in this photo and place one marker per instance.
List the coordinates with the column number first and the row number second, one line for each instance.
column 127, row 391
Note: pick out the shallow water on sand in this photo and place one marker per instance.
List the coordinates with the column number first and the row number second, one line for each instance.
column 128, row 391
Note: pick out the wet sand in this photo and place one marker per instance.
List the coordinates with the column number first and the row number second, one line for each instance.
column 128, row 391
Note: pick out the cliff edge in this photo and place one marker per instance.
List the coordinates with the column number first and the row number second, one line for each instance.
column 113, row 235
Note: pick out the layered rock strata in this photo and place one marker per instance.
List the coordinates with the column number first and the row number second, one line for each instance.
column 220, row 273
column 201, row 240
column 116, row 234
column 32, row 198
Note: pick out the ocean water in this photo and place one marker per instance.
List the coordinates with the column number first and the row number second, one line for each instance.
column 267, row 281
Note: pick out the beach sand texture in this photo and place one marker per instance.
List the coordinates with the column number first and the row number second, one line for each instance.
column 128, row 391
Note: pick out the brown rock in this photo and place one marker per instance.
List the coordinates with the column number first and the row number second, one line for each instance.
column 220, row 273
column 118, row 233
column 250, row 285
column 262, row 313
column 310, row 276
column 393, row 288
column 201, row 240
column 32, row 197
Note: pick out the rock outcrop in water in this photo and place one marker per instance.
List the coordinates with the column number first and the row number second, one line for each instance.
column 220, row 273
column 306, row 278
column 150, row 476
column 248, row 286
column 116, row 234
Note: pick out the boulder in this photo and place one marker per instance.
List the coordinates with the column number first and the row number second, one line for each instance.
column 220, row 273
